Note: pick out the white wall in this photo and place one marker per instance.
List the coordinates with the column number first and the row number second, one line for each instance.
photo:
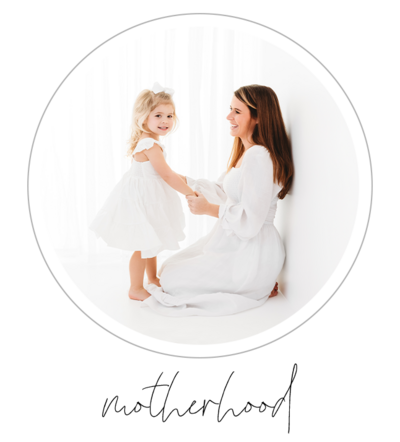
column 317, row 217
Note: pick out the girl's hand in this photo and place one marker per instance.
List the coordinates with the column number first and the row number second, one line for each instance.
column 198, row 204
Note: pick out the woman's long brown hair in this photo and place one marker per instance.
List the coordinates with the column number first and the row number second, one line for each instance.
column 269, row 132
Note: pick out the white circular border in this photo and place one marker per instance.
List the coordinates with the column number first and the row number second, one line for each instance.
column 330, row 287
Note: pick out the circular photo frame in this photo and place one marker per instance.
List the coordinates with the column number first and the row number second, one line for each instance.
column 330, row 285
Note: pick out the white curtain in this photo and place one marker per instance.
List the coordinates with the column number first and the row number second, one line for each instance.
column 87, row 125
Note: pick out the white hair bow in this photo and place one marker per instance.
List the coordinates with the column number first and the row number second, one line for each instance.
column 158, row 88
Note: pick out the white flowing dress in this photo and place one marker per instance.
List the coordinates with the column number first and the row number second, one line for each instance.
column 143, row 213
column 235, row 267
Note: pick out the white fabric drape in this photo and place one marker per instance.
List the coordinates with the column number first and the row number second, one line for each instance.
column 87, row 126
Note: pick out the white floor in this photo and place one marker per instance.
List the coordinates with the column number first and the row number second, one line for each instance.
column 106, row 285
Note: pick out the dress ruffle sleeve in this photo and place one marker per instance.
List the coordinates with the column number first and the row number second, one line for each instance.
column 245, row 218
column 212, row 190
column 146, row 143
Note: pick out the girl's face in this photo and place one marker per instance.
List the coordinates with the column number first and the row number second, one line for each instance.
column 161, row 119
column 242, row 125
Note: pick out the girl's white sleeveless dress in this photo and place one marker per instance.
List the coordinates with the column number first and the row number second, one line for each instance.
column 143, row 213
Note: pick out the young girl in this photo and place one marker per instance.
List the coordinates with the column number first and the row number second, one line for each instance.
column 143, row 213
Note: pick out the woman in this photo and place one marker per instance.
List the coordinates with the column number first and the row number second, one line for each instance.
column 235, row 266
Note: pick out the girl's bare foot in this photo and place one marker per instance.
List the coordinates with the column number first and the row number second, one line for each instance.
column 274, row 291
column 138, row 294
column 155, row 281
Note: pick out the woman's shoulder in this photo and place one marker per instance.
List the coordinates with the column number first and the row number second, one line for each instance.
column 257, row 158
column 258, row 150
column 257, row 153
column 147, row 143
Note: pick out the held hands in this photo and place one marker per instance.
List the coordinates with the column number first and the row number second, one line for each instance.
column 198, row 204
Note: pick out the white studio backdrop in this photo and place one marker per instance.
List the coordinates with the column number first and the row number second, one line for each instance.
column 83, row 142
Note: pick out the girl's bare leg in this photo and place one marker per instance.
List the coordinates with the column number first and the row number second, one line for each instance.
column 151, row 271
column 137, row 266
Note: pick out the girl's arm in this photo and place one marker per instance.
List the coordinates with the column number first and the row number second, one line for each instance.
column 157, row 160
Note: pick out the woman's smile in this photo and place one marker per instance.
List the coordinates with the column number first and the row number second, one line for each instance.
column 241, row 123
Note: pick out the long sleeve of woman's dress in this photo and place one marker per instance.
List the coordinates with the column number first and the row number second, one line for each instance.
column 245, row 218
column 212, row 190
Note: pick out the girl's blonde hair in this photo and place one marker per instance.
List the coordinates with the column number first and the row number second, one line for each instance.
column 269, row 132
column 146, row 102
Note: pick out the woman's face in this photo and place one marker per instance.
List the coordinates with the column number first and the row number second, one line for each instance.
column 242, row 125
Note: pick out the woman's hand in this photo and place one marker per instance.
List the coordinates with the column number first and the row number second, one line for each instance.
column 198, row 204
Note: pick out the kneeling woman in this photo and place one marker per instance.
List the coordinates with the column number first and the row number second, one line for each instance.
column 235, row 267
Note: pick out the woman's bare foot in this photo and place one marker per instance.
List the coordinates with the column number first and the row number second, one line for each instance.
column 138, row 294
column 155, row 281
column 274, row 291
